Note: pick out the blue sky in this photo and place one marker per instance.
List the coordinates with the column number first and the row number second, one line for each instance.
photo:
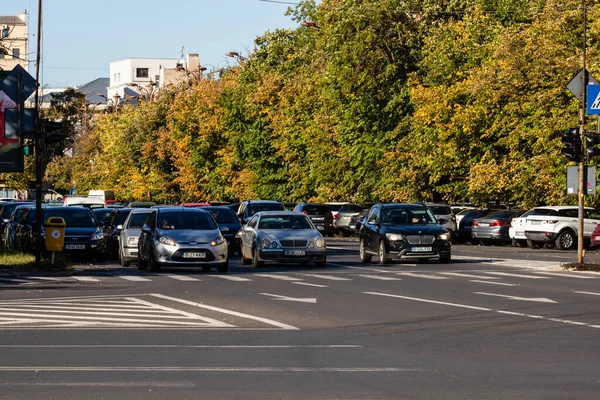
column 81, row 37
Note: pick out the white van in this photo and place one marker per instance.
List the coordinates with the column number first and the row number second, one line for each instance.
column 89, row 202
column 103, row 194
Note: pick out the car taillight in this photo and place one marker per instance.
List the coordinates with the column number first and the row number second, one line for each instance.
column 475, row 223
column 336, row 216
column 551, row 221
column 511, row 225
column 305, row 212
column 453, row 218
column 329, row 214
column 498, row 223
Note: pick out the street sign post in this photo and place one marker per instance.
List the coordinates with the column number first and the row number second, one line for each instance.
column 589, row 180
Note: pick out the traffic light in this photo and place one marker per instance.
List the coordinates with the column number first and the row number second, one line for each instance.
column 573, row 147
column 590, row 142
column 53, row 131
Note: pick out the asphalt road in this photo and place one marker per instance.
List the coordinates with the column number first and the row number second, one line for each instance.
column 497, row 323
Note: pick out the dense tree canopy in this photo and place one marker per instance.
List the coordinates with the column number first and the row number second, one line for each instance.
column 393, row 100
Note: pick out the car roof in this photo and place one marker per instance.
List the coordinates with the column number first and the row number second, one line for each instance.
column 282, row 212
column 559, row 208
column 263, row 201
column 138, row 210
column 407, row 205
column 166, row 209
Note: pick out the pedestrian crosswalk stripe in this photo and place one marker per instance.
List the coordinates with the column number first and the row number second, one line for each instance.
column 232, row 278
column 182, row 278
column 565, row 275
column 85, row 279
column 381, row 278
column 278, row 277
column 516, row 275
column 493, row 283
column 424, row 276
column 328, row 277
column 468, row 275
column 135, row 278
column 308, row 284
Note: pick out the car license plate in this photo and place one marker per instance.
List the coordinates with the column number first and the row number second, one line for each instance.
column 320, row 227
column 484, row 224
column 75, row 246
column 420, row 249
column 520, row 233
column 536, row 222
column 194, row 255
column 294, row 252
column 596, row 237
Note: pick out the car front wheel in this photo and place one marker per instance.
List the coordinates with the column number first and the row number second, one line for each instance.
column 382, row 257
column 364, row 257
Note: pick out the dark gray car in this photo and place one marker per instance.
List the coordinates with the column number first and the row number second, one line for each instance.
column 494, row 227
column 343, row 218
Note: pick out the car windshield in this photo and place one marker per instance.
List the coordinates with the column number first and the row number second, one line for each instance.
column 19, row 214
column 284, row 222
column 138, row 220
column 541, row 211
column 74, row 217
column 222, row 215
column 334, row 207
column 102, row 215
column 8, row 209
column 440, row 210
column 253, row 208
column 407, row 216
column 121, row 217
column 182, row 220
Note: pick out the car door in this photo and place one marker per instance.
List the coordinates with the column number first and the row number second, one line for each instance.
column 368, row 230
column 249, row 235
column 590, row 221
column 145, row 240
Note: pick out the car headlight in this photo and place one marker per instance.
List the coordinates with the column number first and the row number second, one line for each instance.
column 320, row 243
column 266, row 243
column 311, row 245
column 132, row 241
column 167, row 240
column 274, row 244
column 394, row 237
column 97, row 235
column 444, row 236
column 238, row 234
column 219, row 240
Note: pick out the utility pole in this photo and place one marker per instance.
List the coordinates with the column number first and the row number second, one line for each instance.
column 582, row 163
column 38, row 146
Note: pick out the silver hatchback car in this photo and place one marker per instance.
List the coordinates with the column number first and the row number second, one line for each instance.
column 182, row 236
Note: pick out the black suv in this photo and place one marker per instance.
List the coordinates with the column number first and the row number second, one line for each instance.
column 403, row 231
column 250, row 207
column 320, row 216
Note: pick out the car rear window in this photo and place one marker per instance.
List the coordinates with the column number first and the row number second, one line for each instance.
column 440, row 210
column 315, row 209
column 181, row 220
column 222, row 215
column 121, row 217
column 137, row 220
column 253, row 208
column 541, row 211
column 102, row 215
column 74, row 217
column 351, row 208
column 334, row 207
column 503, row 214
column 8, row 209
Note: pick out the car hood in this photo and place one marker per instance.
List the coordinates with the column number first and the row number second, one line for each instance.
column 133, row 232
column 415, row 229
column 290, row 234
column 190, row 235
column 72, row 231
column 232, row 227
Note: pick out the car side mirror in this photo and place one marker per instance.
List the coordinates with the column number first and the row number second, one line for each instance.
column 146, row 228
column 120, row 227
column 372, row 222
column 442, row 221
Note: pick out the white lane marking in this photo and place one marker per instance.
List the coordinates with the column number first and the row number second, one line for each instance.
column 183, row 278
column 591, row 293
column 516, row 275
column 424, row 276
column 309, row 284
column 104, row 384
column 381, row 278
column 8, row 311
column 178, row 346
column 92, row 319
column 86, row 307
column 225, row 311
column 468, row 275
column 232, row 278
column 178, row 312
column 341, row 248
column 85, row 279
column 15, row 280
column 387, row 271
column 212, row 369
column 45, row 278
column 493, row 283
column 135, row 278
column 328, row 277
column 104, row 297
column 535, row 299
column 564, row 274
column 563, row 321
column 279, row 277
column 296, row 299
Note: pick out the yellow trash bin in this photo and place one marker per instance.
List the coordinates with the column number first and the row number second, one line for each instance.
column 55, row 233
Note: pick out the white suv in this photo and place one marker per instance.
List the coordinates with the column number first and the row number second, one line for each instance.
column 558, row 225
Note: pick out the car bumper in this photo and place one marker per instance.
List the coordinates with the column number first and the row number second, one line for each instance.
column 285, row 255
column 171, row 255
column 541, row 236
column 130, row 253
column 83, row 249
column 491, row 235
column 518, row 234
column 402, row 250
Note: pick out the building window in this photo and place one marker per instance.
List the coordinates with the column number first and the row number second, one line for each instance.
column 4, row 33
column 16, row 53
column 1, row 55
column 115, row 77
column 156, row 79
column 141, row 72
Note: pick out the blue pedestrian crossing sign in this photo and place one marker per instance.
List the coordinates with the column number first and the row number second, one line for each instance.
column 593, row 99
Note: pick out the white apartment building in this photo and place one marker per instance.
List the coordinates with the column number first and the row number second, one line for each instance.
column 126, row 74
column 13, row 39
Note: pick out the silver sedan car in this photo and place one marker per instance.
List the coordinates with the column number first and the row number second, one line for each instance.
column 130, row 234
column 284, row 236
column 179, row 237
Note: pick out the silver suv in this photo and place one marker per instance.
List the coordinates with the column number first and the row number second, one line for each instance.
column 444, row 214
